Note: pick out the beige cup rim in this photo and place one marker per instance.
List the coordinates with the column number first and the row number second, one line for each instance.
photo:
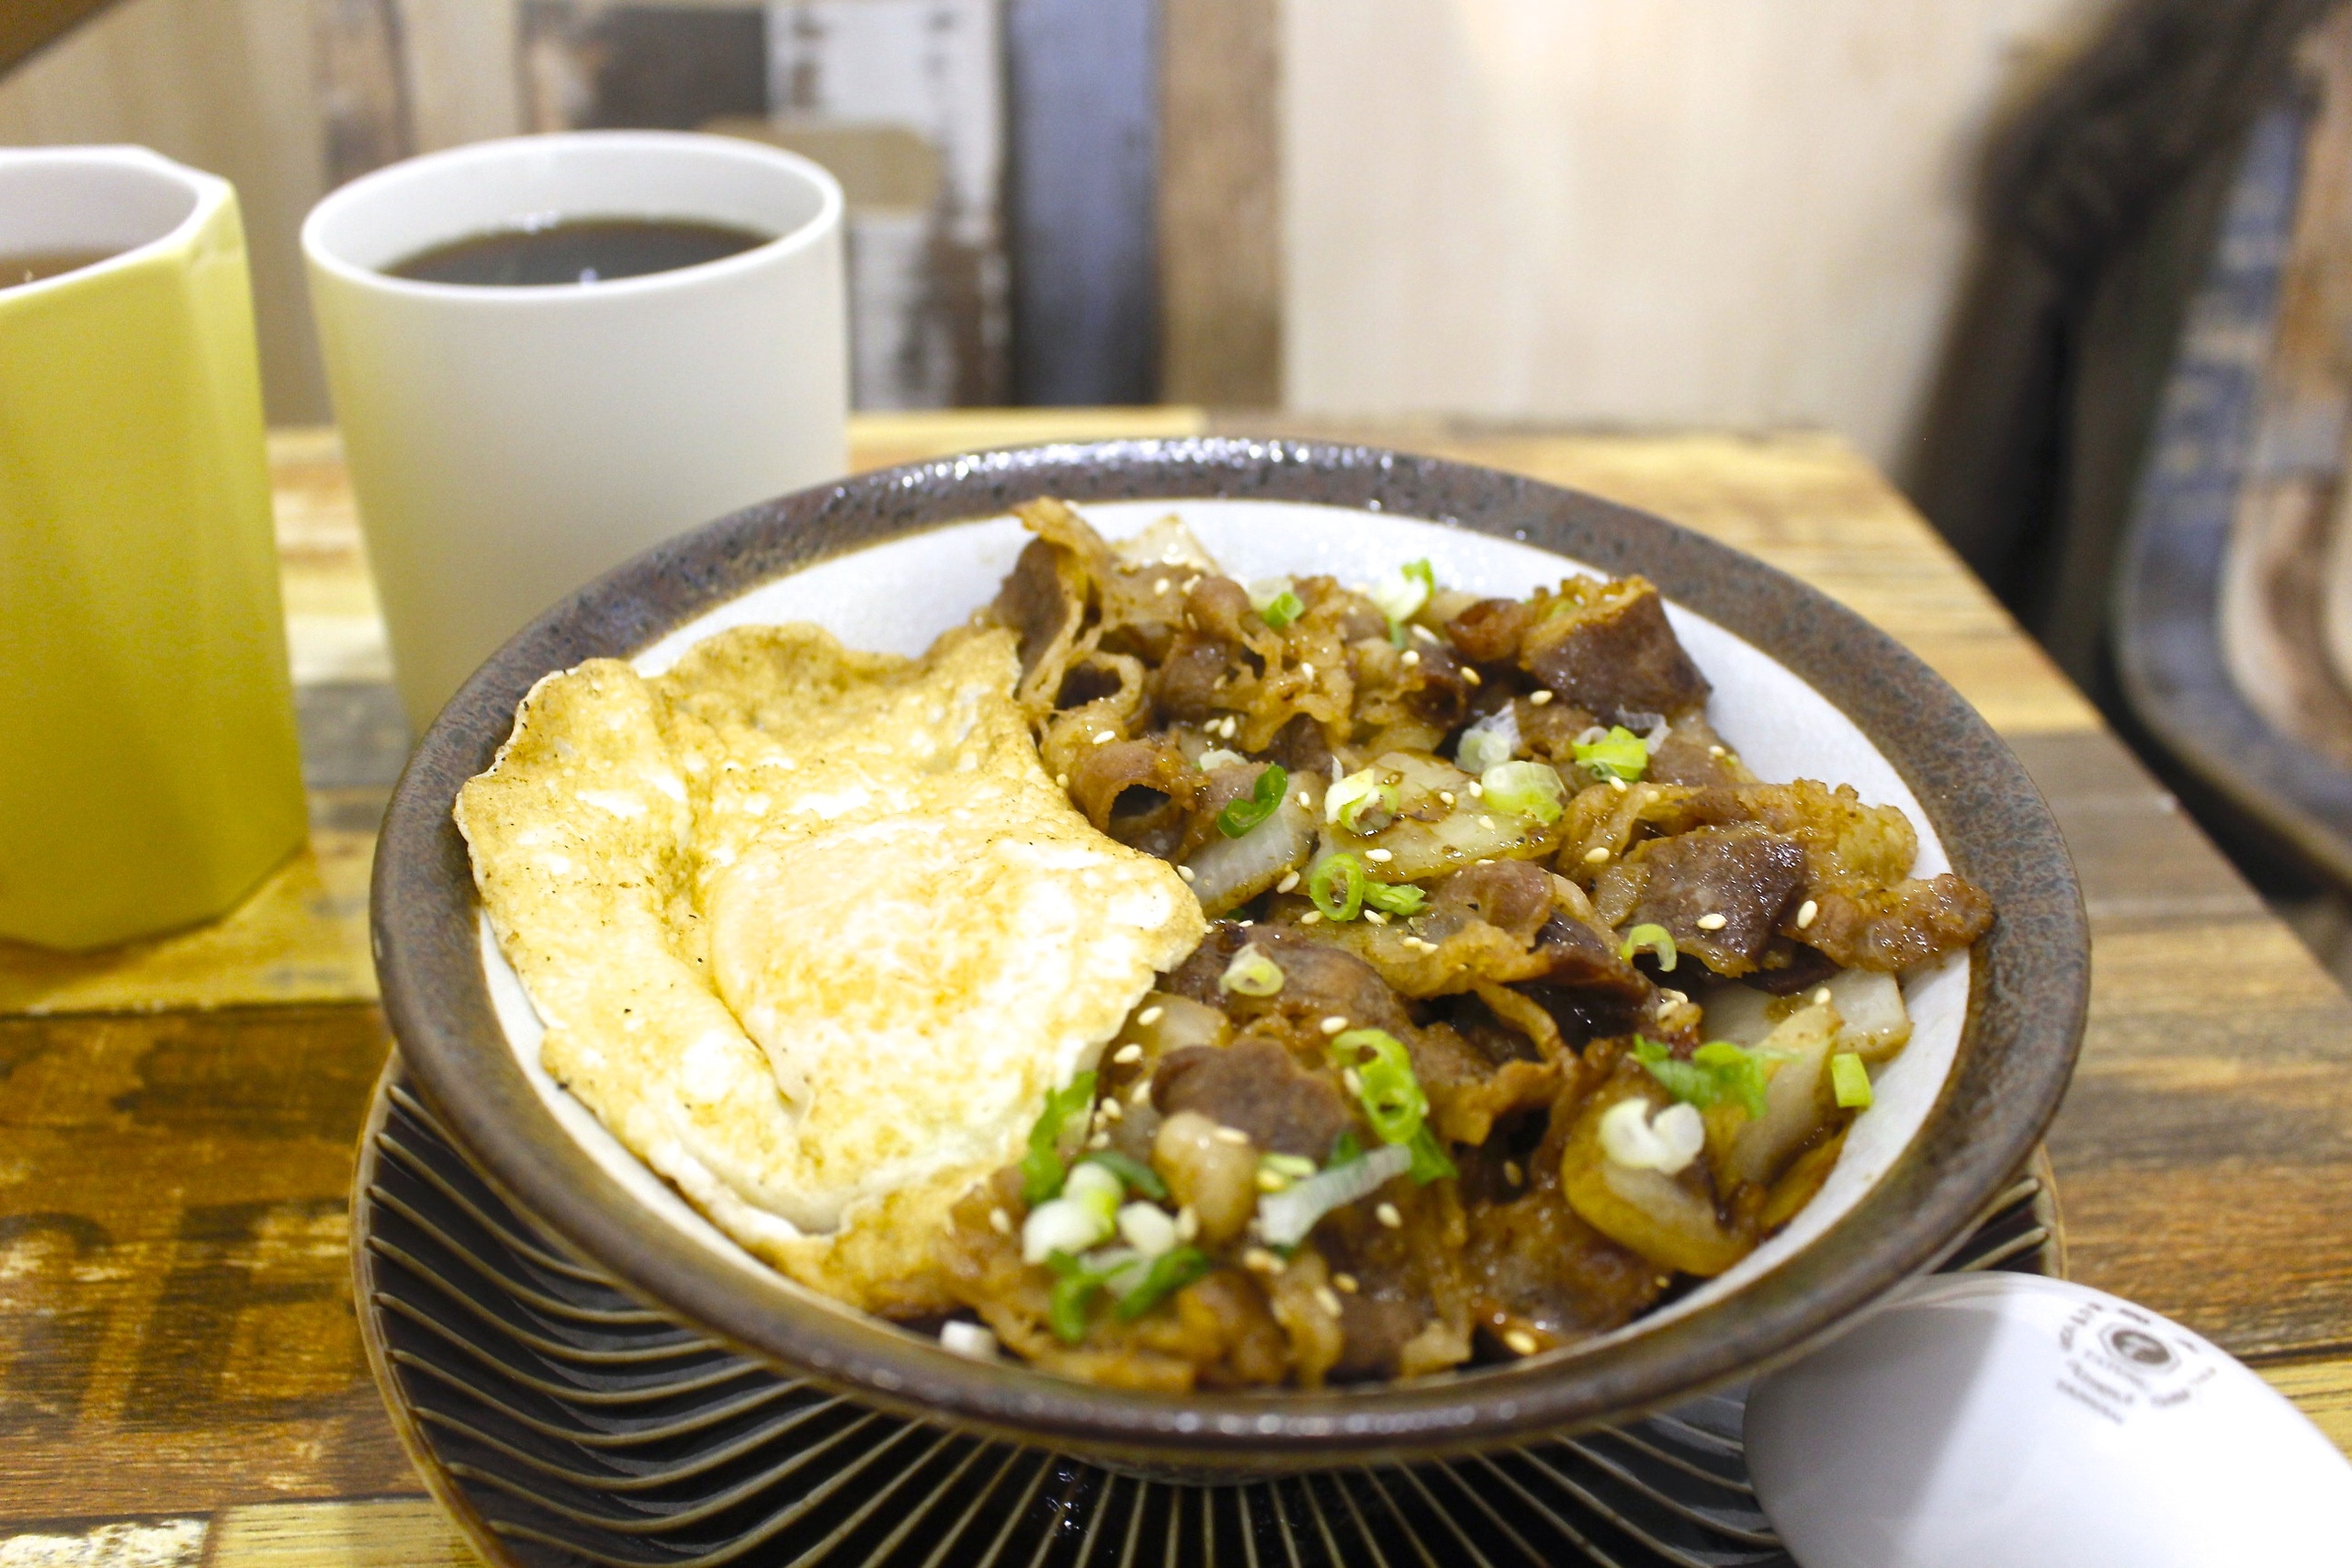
column 210, row 194
column 395, row 178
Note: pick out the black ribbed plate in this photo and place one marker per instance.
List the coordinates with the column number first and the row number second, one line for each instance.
column 564, row 1423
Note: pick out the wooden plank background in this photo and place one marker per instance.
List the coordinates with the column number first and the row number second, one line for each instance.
column 176, row 1336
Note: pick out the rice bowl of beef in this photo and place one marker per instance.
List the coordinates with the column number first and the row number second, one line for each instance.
column 1801, row 689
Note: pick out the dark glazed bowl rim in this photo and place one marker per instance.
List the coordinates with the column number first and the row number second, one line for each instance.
column 2028, row 992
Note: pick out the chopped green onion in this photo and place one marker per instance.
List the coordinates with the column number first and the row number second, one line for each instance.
column 1282, row 610
column 1042, row 1170
column 1336, row 885
column 1265, row 798
column 1393, row 897
column 1494, row 738
column 1392, row 1098
column 1430, row 1161
column 1716, row 1071
column 1526, row 789
column 1170, row 1272
column 1401, row 594
column 1618, row 754
column 1658, row 939
column 1285, row 1217
column 1851, row 1081
column 1297, row 1168
column 1268, row 592
column 1251, row 974
column 1356, row 800
column 1139, row 1177
column 1074, row 1288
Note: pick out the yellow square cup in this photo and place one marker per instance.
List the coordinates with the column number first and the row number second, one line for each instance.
column 149, row 775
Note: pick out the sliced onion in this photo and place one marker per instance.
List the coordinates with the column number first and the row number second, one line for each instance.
column 1286, row 1216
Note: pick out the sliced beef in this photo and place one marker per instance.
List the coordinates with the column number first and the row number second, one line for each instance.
column 1256, row 1086
column 1533, row 1267
column 1607, row 647
column 1894, row 927
column 1549, row 730
column 1788, row 967
column 1219, row 608
column 1577, row 957
column 1478, row 1070
column 1185, row 685
column 1409, row 1313
column 1745, row 875
column 1489, row 631
column 1692, row 755
column 1138, row 791
column 1035, row 602
column 1514, row 894
column 1301, row 746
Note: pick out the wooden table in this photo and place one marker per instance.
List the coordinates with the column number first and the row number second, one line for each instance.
column 179, row 1370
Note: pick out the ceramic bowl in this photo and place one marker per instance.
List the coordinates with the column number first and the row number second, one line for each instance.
column 1803, row 687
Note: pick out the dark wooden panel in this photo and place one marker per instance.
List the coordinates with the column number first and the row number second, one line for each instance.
column 175, row 1323
column 26, row 26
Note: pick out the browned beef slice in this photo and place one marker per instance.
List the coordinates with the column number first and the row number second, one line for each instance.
column 1615, row 654
column 1184, row 686
column 1532, row 1265
column 1788, row 967
column 1894, row 927
column 1435, row 692
column 1489, row 631
column 1197, row 976
column 1320, row 981
column 1745, row 874
column 1550, row 728
column 1217, row 605
column 1514, row 894
column 1032, row 601
column 1690, row 755
column 1407, row 1278
column 1584, row 959
column 1136, row 791
column 1301, row 746
column 1254, row 1085
column 1473, row 1083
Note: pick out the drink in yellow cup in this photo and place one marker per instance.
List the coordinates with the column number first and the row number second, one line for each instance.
column 149, row 776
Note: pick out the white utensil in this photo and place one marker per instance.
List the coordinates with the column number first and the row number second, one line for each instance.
column 2011, row 1420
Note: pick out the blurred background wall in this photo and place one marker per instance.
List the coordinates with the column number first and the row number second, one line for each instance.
column 1641, row 212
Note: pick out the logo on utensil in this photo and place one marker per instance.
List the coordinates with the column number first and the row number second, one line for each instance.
column 2138, row 1347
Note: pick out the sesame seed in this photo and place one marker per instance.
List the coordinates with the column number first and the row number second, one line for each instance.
column 1346, row 1282
column 1387, row 1216
column 1425, row 634
column 1805, row 912
column 1617, row 784
column 1710, row 923
column 1307, row 669
column 1303, row 800
column 1715, row 750
column 1128, row 1055
column 1477, row 789
column 1187, row 1222
column 1102, row 735
column 1100, row 1141
column 1521, row 1341
column 1233, row 1135
column 1333, row 1024
column 1669, row 995
column 1378, row 857
column 1821, row 998
column 1189, row 582
column 1445, row 795
column 1376, row 917
column 1061, row 781
column 1354, row 1080
column 1185, row 872
column 1257, row 1260
column 1537, row 699
column 1272, row 1181
column 1596, row 855
column 1160, row 586
column 1141, row 1092
column 1412, row 657
column 1486, row 822
column 1512, row 1174
column 1151, row 1015
column 1290, row 878
column 1110, row 1110
column 1000, row 1221
column 1471, row 676
column 1309, row 917
column 1328, row 1299
column 1246, row 924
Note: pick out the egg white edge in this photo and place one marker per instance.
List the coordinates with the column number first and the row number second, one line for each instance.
column 899, row 595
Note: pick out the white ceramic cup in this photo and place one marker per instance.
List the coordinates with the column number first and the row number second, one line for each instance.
column 507, row 444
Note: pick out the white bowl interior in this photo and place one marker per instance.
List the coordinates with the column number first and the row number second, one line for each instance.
column 899, row 595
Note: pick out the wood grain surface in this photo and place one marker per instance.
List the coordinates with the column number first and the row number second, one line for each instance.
column 179, row 1372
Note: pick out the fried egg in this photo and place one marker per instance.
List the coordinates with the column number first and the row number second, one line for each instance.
column 813, row 932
